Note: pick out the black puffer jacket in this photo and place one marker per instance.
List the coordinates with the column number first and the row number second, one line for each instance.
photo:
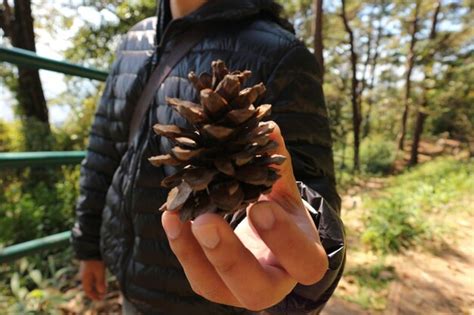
column 117, row 212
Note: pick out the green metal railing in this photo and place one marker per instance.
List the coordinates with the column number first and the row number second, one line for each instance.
column 27, row 58
column 25, row 159
column 14, row 252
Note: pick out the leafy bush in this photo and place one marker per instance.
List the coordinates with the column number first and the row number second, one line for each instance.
column 37, row 284
column 377, row 155
column 31, row 210
column 11, row 138
column 393, row 224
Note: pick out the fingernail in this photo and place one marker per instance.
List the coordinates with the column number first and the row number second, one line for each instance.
column 262, row 216
column 207, row 235
column 172, row 226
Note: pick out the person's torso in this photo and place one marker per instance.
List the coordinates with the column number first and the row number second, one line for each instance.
column 133, row 243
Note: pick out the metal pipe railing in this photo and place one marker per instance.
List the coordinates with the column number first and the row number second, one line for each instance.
column 29, row 59
column 26, row 58
column 25, row 159
column 17, row 251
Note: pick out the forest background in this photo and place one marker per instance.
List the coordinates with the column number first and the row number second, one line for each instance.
column 398, row 80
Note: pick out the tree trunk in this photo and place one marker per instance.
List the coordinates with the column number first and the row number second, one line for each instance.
column 420, row 119
column 318, row 35
column 32, row 104
column 356, row 115
column 421, row 114
column 373, row 66
column 410, row 64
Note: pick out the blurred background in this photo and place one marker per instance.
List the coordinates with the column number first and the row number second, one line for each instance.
column 398, row 79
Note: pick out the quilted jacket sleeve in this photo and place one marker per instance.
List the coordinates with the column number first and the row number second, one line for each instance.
column 107, row 143
column 299, row 109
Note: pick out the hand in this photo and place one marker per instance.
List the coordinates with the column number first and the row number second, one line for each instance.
column 258, row 264
column 92, row 273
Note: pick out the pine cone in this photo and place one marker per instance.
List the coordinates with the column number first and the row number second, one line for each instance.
column 226, row 156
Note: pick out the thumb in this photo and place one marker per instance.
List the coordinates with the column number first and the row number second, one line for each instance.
column 284, row 191
column 286, row 168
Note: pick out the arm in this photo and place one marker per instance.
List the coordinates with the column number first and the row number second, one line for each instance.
column 299, row 109
column 107, row 143
column 109, row 135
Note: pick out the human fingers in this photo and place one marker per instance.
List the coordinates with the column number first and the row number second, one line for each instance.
column 87, row 279
column 202, row 276
column 256, row 286
column 293, row 240
column 100, row 282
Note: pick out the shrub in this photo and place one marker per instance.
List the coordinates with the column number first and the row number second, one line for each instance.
column 32, row 210
column 392, row 224
column 37, row 284
column 377, row 155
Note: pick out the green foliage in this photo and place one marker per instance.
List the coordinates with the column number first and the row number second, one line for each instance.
column 36, row 285
column 32, row 210
column 453, row 102
column 74, row 133
column 10, row 138
column 399, row 216
column 393, row 224
column 377, row 155
column 36, row 134
column 25, row 135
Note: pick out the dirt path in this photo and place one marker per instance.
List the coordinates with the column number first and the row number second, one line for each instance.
column 440, row 281
column 426, row 283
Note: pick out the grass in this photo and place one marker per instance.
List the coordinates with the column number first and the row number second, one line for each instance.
column 402, row 214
